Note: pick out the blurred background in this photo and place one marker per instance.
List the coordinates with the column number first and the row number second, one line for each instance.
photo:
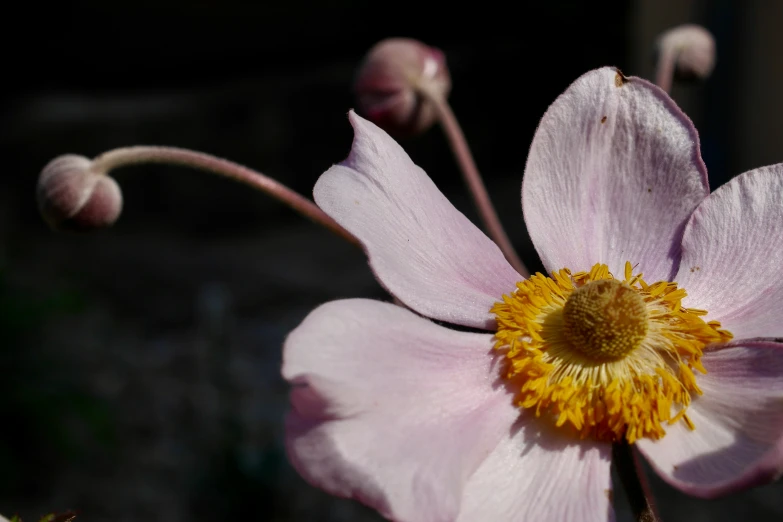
column 140, row 366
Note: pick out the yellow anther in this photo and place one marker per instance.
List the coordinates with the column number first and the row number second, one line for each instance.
column 611, row 358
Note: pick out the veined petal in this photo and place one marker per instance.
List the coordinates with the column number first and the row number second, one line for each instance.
column 421, row 248
column 536, row 476
column 733, row 254
column 738, row 440
column 613, row 174
column 392, row 409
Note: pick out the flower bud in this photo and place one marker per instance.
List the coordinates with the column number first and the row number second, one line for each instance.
column 693, row 49
column 73, row 196
column 391, row 80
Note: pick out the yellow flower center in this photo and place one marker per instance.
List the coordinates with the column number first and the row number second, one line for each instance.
column 611, row 358
column 605, row 319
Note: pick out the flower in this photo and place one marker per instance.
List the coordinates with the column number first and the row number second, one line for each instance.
column 692, row 48
column 75, row 195
column 392, row 80
column 630, row 337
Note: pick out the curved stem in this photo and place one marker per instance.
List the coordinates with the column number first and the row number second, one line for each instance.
column 222, row 167
column 664, row 73
column 634, row 482
column 470, row 173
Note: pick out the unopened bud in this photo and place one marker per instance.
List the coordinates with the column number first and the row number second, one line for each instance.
column 693, row 49
column 73, row 196
column 395, row 82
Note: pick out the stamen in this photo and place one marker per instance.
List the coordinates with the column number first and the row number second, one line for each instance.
column 611, row 359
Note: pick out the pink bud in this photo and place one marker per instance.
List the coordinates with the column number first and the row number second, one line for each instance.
column 693, row 49
column 395, row 82
column 73, row 196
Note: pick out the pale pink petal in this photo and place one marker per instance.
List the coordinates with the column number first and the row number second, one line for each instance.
column 541, row 475
column 613, row 174
column 738, row 440
column 392, row 409
column 422, row 249
column 733, row 254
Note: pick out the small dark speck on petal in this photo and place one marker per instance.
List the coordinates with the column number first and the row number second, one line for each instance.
column 609, row 494
column 603, row 120
column 695, row 269
column 649, row 189
column 619, row 79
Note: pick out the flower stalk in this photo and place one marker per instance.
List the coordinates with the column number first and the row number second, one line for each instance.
column 136, row 155
column 635, row 484
column 472, row 177
column 403, row 86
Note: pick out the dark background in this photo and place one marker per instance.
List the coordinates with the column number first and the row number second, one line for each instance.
column 140, row 366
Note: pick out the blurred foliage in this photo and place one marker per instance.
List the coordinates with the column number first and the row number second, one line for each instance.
column 235, row 484
column 41, row 399
column 68, row 516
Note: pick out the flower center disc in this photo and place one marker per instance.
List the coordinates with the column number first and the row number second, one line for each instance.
column 605, row 319
column 609, row 358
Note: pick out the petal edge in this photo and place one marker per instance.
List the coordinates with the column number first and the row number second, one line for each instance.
column 732, row 254
column 421, row 249
column 738, row 440
column 613, row 174
column 390, row 408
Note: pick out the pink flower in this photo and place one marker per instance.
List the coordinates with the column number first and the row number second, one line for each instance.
column 425, row 423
